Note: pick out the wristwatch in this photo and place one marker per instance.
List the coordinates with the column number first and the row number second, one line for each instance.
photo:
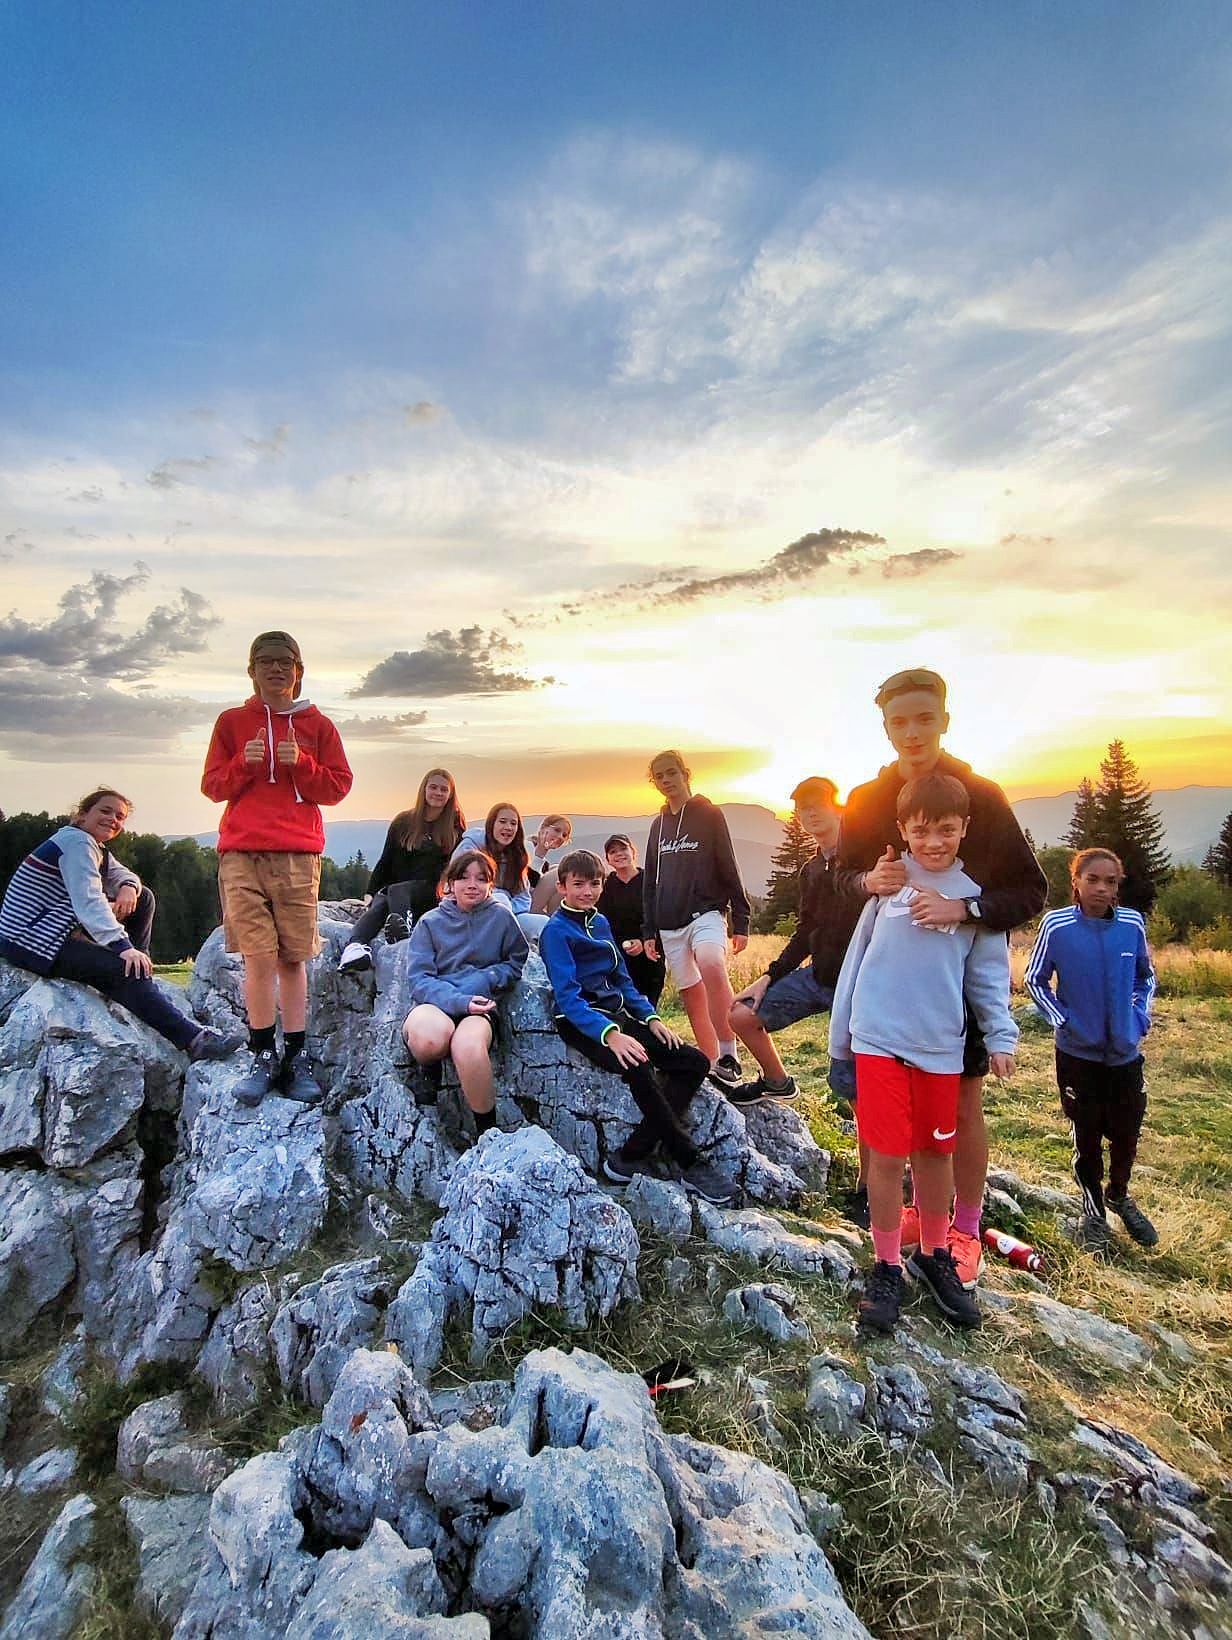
column 972, row 908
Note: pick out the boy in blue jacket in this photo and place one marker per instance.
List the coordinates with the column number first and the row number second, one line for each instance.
column 1100, row 1010
column 600, row 1012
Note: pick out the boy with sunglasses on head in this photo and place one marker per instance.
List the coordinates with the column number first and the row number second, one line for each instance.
column 274, row 761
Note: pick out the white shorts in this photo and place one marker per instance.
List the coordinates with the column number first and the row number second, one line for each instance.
column 679, row 945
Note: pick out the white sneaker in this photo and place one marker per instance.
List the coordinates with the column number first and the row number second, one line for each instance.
column 354, row 959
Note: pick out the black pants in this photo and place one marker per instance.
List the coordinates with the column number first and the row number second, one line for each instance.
column 684, row 1070
column 1102, row 1102
column 397, row 897
column 102, row 968
column 648, row 977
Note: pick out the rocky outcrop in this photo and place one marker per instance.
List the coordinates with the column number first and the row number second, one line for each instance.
column 523, row 1228
column 170, row 1537
column 55, row 1592
column 155, row 1447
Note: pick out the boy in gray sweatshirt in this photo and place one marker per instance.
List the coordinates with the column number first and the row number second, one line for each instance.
column 899, row 1013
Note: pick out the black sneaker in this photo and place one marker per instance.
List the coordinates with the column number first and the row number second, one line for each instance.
column 297, row 1082
column 355, row 959
column 1092, row 1234
column 883, row 1297
column 261, row 1079
column 855, row 1207
column 213, row 1044
column 939, row 1274
column 1135, row 1220
column 622, row 1168
column 707, row 1182
column 764, row 1092
column 725, row 1073
column 395, row 929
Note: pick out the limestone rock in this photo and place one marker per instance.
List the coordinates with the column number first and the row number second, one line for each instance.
column 759, row 1236
column 171, row 1538
column 770, row 1308
column 1031, row 1195
column 1193, row 1560
column 60, row 1386
column 834, row 1398
column 660, row 1205
column 902, row 1405
column 1136, row 1461
column 237, row 1358
column 37, row 1258
column 383, row 1591
column 523, row 1228
column 49, row 1472
column 1092, row 1335
column 55, row 1593
column 983, row 1385
column 1003, row 1458
column 156, row 1447
column 6, row 1402
column 388, row 1142
column 320, row 1325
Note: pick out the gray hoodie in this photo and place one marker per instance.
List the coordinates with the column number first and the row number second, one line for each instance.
column 454, row 955
column 901, row 988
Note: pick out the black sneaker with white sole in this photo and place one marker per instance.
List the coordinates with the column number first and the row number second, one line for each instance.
column 621, row 1168
column 396, row 929
column 939, row 1274
column 707, row 1182
column 883, row 1298
column 725, row 1073
column 1134, row 1219
column 764, row 1092
column 355, row 959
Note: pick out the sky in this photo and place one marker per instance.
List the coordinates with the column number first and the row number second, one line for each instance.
column 575, row 381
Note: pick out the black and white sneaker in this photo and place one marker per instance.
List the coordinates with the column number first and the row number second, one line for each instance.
column 764, row 1092
column 622, row 1168
column 210, row 1043
column 725, row 1073
column 707, row 1182
column 1135, row 1220
column 1092, row 1233
column 883, row 1298
column 354, row 959
column 939, row 1274
column 396, row 929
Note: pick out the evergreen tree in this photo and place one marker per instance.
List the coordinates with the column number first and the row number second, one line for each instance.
column 1029, row 840
column 1126, row 822
column 1083, row 821
column 1218, row 861
column 783, row 888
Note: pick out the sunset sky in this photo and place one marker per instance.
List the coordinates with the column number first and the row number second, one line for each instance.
column 575, row 380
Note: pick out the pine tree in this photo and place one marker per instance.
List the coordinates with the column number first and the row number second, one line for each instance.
column 1029, row 840
column 1082, row 825
column 783, row 888
column 1126, row 822
column 1218, row 860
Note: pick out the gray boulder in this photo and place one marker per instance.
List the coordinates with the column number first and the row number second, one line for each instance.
column 55, row 1593
column 834, row 1398
column 322, row 1324
column 171, row 1537
column 50, row 1472
column 1188, row 1557
column 1004, row 1459
column 523, row 1228
column 1104, row 1342
column 383, row 1591
column 661, row 1206
column 237, row 1359
column 60, row 1386
column 1137, row 1462
column 769, row 1308
column 759, row 1236
column 156, row 1447
column 388, row 1142
column 37, row 1256
column 902, row 1406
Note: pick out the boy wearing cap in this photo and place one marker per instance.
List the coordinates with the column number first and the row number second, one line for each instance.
column 996, row 855
column 787, row 992
column 273, row 761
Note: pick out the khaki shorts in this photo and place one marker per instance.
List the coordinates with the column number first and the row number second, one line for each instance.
column 269, row 903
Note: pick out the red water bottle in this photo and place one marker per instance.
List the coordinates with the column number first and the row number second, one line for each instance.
column 1020, row 1253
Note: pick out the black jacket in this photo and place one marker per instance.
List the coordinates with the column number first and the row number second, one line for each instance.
column 829, row 910
column 691, row 869
column 420, row 866
column 621, row 904
column 994, row 852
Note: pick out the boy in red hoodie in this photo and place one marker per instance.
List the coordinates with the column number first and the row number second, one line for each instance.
column 273, row 761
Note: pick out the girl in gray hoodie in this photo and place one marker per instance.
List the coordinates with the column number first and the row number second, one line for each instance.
column 460, row 959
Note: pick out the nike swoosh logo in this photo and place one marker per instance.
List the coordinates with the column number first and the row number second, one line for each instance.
column 939, row 1135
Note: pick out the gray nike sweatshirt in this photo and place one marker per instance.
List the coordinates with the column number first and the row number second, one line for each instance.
column 901, row 989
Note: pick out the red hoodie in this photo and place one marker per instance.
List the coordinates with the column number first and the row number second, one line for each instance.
column 271, row 805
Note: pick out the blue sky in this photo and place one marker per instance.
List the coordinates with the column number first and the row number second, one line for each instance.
column 386, row 321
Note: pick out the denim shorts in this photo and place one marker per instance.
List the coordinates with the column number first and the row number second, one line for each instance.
column 792, row 999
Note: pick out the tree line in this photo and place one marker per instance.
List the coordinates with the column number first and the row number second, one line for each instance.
column 182, row 875
column 1115, row 811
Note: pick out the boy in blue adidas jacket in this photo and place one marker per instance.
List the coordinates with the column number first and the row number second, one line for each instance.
column 1100, row 1010
column 601, row 1013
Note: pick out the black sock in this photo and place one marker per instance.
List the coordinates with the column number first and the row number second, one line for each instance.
column 484, row 1119
column 292, row 1043
column 260, row 1038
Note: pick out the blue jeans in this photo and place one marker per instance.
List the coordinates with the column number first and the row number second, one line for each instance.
column 793, row 998
column 103, row 968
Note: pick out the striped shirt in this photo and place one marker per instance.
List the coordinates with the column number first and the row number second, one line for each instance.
column 60, row 886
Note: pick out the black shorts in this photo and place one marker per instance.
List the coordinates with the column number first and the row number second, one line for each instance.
column 975, row 1054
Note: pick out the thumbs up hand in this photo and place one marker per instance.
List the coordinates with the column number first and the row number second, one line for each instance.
column 254, row 749
column 887, row 876
column 288, row 749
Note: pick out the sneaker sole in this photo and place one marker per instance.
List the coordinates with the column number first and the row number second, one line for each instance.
column 356, row 967
column 721, row 1085
column 715, row 1201
column 914, row 1273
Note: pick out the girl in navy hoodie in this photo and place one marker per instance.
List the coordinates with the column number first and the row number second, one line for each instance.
column 1100, row 1010
column 461, row 958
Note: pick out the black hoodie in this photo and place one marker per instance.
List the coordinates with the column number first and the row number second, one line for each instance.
column 690, row 869
column 994, row 853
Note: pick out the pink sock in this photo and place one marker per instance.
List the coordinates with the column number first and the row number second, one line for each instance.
column 888, row 1244
column 933, row 1227
column 967, row 1218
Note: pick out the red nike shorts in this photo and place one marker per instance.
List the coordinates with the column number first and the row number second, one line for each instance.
column 900, row 1109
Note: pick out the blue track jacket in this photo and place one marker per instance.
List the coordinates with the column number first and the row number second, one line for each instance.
column 588, row 973
column 1101, row 1005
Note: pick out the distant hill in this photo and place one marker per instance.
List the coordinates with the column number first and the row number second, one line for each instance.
column 1192, row 816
